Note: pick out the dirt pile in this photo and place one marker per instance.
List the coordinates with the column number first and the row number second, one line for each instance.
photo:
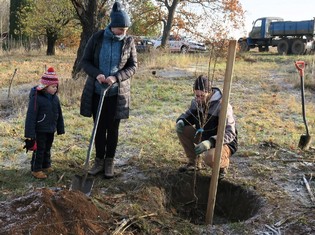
column 45, row 211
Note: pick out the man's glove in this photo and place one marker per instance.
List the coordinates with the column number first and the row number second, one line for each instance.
column 203, row 146
column 180, row 126
column 30, row 145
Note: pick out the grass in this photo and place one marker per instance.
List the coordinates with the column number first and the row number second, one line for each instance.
column 265, row 95
column 263, row 109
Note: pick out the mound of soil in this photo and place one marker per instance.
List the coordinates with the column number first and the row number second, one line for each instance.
column 44, row 211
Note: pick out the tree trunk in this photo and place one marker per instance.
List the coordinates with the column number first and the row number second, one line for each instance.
column 51, row 42
column 87, row 18
column 169, row 22
column 87, row 32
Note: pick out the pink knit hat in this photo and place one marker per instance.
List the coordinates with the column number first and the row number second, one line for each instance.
column 48, row 78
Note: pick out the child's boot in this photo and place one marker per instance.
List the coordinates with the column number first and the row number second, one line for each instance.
column 48, row 170
column 39, row 174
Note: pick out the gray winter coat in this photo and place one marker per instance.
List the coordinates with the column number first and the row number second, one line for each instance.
column 127, row 68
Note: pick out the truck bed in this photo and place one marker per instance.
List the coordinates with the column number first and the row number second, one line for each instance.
column 292, row 28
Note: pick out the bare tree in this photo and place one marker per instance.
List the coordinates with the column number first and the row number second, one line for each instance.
column 180, row 14
column 168, row 22
column 89, row 12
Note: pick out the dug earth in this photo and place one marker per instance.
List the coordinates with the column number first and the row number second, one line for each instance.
column 45, row 211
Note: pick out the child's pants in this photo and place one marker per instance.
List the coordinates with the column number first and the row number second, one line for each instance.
column 41, row 157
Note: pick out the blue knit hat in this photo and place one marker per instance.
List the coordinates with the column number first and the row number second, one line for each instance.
column 118, row 17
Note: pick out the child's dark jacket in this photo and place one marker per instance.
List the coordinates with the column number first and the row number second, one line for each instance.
column 43, row 115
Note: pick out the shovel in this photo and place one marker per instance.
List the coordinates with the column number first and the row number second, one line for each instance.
column 305, row 140
column 85, row 183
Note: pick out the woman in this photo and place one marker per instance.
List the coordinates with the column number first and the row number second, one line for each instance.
column 110, row 60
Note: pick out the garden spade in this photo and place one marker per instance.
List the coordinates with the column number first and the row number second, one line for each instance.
column 305, row 140
column 85, row 183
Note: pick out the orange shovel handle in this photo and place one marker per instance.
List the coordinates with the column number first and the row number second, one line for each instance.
column 300, row 65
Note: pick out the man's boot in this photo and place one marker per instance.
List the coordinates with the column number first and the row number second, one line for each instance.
column 97, row 167
column 109, row 168
column 222, row 173
column 191, row 166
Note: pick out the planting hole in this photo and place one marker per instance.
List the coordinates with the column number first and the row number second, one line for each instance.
column 233, row 202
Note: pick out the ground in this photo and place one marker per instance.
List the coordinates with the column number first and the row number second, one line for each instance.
column 45, row 211
column 263, row 193
column 286, row 201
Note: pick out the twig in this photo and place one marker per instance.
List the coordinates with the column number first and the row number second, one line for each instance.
column 121, row 226
column 124, row 224
column 294, row 160
column 11, row 81
column 190, row 202
column 273, row 230
column 61, row 177
column 309, row 189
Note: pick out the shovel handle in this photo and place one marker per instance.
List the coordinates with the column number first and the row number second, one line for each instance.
column 97, row 118
column 300, row 65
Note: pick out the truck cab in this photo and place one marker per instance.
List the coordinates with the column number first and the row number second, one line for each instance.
column 259, row 36
column 260, row 28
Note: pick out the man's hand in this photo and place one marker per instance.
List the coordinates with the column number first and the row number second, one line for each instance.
column 202, row 147
column 30, row 145
column 180, row 126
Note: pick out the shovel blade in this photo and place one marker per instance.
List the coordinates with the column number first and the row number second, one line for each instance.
column 82, row 183
column 305, row 142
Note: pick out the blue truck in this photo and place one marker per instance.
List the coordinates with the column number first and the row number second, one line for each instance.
column 290, row 37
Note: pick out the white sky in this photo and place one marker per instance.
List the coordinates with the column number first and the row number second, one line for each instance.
column 290, row 10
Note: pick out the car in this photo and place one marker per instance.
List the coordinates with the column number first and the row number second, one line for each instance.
column 181, row 44
column 143, row 44
column 196, row 46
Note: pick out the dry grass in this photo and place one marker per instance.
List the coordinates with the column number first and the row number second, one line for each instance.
column 268, row 84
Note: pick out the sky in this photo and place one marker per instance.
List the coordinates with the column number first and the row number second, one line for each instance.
column 290, row 10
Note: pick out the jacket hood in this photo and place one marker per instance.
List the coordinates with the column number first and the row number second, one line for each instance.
column 217, row 94
column 33, row 92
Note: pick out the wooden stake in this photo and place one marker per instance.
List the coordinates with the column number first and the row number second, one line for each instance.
column 221, row 130
column 9, row 91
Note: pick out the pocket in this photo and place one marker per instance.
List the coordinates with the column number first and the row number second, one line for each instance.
column 42, row 119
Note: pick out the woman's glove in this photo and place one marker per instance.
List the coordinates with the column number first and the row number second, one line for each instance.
column 203, row 146
column 180, row 126
column 30, row 145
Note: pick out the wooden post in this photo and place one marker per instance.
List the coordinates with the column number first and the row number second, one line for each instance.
column 221, row 130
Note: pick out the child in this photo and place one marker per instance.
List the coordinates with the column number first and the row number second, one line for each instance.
column 43, row 118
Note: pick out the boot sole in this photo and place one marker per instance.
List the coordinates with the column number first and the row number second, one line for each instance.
column 99, row 172
column 108, row 176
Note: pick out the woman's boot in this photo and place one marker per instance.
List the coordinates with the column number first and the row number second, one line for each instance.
column 109, row 168
column 97, row 167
